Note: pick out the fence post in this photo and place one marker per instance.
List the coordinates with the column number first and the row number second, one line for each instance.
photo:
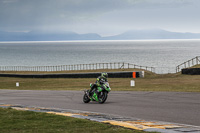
column 178, row 68
column 193, row 62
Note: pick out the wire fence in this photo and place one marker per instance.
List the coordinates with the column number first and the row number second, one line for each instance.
column 189, row 63
column 94, row 66
column 97, row 66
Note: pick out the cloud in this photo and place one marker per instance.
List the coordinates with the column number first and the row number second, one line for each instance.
column 99, row 16
column 8, row 1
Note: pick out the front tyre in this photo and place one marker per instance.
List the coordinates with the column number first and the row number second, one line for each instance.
column 102, row 97
column 86, row 99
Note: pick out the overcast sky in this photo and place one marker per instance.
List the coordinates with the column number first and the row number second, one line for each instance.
column 105, row 17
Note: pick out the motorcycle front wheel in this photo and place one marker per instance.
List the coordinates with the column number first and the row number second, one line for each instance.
column 102, row 97
column 86, row 99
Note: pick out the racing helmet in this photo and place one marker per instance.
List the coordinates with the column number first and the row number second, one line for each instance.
column 104, row 75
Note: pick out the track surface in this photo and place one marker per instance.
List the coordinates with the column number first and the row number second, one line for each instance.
column 178, row 107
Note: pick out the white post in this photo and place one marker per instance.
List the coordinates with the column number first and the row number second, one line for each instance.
column 132, row 83
column 17, row 84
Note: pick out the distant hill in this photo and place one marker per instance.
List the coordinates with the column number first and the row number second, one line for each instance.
column 153, row 34
column 68, row 35
column 46, row 36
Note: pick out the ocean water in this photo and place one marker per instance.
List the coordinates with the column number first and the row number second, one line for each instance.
column 164, row 55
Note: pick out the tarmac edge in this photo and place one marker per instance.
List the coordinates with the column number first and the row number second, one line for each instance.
column 127, row 122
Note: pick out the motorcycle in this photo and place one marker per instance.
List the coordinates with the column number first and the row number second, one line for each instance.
column 99, row 94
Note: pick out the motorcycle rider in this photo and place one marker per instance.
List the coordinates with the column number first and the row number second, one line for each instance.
column 99, row 82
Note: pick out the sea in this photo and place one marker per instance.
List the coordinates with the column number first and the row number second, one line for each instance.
column 164, row 55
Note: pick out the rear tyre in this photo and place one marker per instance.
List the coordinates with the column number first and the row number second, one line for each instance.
column 102, row 97
column 86, row 99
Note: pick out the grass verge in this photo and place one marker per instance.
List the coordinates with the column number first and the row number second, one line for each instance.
column 13, row 121
column 151, row 82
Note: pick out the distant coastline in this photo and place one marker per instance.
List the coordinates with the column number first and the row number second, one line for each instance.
column 152, row 34
column 99, row 40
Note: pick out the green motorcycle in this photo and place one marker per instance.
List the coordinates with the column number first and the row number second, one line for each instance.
column 99, row 94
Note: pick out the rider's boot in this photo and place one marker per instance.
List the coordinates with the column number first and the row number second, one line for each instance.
column 87, row 93
column 91, row 90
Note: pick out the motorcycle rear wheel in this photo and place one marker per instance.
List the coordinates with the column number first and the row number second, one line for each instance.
column 86, row 99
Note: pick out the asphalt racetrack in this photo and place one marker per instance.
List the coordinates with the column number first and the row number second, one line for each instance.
column 176, row 107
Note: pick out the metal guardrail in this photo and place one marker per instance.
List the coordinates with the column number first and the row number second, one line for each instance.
column 94, row 66
column 189, row 63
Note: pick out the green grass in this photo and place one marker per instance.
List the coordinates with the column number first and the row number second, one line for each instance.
column 151, row 82
column 13, row 121
column 196, row 66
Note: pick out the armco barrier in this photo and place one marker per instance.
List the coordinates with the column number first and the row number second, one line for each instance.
column 191, row 71
column 78, row 75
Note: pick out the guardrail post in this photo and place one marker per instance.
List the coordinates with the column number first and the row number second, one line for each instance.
column 193, row 61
